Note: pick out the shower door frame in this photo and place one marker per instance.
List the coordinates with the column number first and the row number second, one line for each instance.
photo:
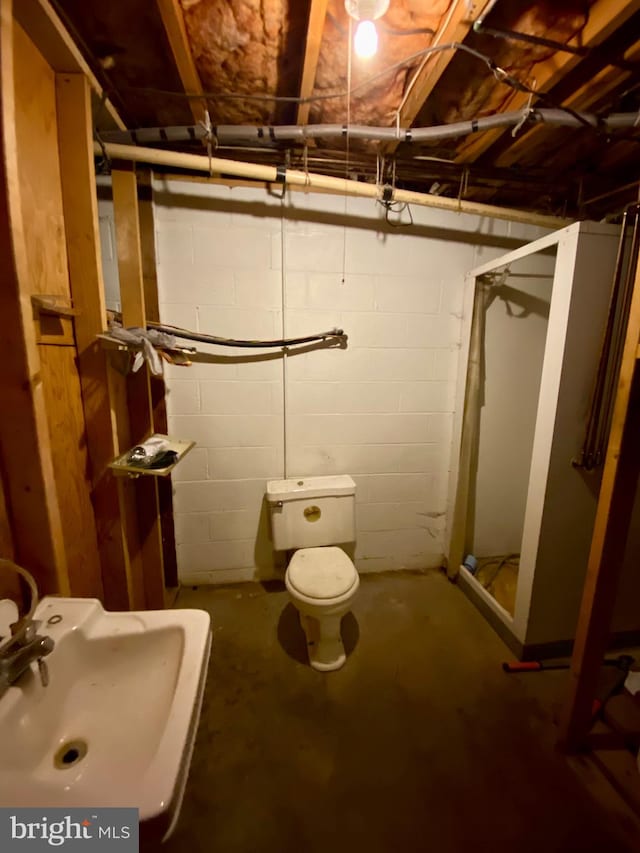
column 514, row 629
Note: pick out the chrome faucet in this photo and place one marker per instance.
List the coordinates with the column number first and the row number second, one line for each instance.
column 24, row 645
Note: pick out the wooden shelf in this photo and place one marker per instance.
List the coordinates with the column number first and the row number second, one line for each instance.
column 122, row 467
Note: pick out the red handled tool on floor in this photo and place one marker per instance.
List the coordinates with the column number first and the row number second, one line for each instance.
column 622, row 662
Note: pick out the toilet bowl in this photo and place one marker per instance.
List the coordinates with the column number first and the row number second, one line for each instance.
column 310, row 517
column 322, row 583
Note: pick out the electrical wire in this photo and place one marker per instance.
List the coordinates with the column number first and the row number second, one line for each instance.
column 499, row 73
column 291, row 99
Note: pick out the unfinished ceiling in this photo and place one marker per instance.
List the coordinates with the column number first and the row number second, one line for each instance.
column 287, row 62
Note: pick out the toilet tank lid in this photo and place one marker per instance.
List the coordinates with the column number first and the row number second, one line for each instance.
column 303, row 488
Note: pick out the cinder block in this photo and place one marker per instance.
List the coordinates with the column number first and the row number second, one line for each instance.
column 378, row 330
column 174, row 257
column 180, row 314
column 392, row 488
column 429, row 331
column 229, row 430
column 258, row 288
column 191, row 528
column 183, row 397
column 426, row 397
column 231, row 247
column 373, row 518
column 234, row 524
column 249, row 462
column 362, row 429
column 192, row 467
column 405, row 293
column 218, row 495
column 239, row 323
column 321, row 252
column 329, row 291
column 194, row 558
column 303, row 323
column 241, row 398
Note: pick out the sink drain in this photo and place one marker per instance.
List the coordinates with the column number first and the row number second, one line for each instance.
column 70, row 753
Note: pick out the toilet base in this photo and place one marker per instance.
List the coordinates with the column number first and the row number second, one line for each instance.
column 324, row 642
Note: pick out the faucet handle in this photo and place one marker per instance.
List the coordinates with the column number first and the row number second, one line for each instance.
column 43, row 670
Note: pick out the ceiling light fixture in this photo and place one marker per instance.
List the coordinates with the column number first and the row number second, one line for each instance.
column 365, row 12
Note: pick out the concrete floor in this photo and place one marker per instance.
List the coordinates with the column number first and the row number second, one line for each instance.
column 420, row 743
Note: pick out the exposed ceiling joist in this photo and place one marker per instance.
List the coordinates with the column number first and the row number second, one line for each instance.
column 605, row 16
column 594, row 90
column 43, row 25
column 173, row 21
column 317, row 15
column 455, row 28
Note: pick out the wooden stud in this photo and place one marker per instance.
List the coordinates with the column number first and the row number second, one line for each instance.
column 593, row 91
column 315, row 28
column 605, row 16
column 75, row 141
column 613, row 515
column 25, row 445
column 127, row 222
column 173, row 20
column 42, row 209
column 455, row 29
column 158, row 390
column 43, row 26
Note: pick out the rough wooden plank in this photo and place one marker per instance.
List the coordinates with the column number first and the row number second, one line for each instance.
column 315, row 27
column 25, row 445
column 42, row 209
column 455, row 29
column 593, row 91
column 85, row 270
column 158, row 390
column 605, row 16
column 173, row 20
column 615, row 504
column 46, row 30
column 9, row 582
column 127, row 222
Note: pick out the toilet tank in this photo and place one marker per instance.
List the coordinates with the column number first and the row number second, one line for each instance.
column 312, row 511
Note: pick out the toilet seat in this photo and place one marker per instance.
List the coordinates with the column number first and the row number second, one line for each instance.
column 321, row 574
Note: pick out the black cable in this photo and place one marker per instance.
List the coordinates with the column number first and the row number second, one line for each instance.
column 500, row 74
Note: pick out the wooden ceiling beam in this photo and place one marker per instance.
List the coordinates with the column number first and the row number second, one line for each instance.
column 45, row 29
column 592, row 92
column 173, row 20
column 455, row 29
column 315, row 28
column 605, row 17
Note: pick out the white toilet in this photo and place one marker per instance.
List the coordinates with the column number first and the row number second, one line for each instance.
column 313, row 515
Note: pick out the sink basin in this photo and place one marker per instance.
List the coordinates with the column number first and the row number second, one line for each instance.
column 117, row 722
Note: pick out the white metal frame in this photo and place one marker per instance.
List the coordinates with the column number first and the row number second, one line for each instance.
column 566, row 243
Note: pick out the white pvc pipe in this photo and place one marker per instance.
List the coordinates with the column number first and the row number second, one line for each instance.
column 293, row 177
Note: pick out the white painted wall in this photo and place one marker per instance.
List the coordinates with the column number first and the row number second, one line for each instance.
column 515, row 335
column 380, row 410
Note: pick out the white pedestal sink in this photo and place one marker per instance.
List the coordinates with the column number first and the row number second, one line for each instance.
column 117, row 722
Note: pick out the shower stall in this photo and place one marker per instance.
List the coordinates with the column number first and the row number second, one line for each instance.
column 522, row 506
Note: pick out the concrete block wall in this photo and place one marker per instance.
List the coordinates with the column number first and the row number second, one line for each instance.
column 236, row 262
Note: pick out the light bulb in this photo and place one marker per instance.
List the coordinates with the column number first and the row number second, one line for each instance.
column 365, row 41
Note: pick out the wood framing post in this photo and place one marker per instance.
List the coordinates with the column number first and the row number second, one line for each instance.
column 75, row 138
column 127, row 222
column 158, row 389
column 25, row 447
column 615, row 505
